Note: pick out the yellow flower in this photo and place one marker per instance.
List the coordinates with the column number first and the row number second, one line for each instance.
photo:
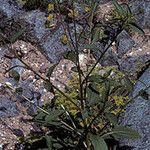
column 73, row 13
column 50, row 7
column 64, row 39
column 101, row 125
column 119, row 100
column 50, row 17
column 87, row 9
column 117, row 111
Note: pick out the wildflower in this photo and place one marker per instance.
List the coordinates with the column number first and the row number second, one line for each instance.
column 64, row 39
column 73, row 13
column 50, row 7
column 87, row 9
column 116, row 111
column 50, row 17
column 101, row 125
column 119, row 100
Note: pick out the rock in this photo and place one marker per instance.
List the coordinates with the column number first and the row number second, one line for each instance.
column 47, row 40
column 16, row 62
column 142, row 10
column 31, row 95
column 2, row 52
column 133, row 61
column 8, row 108
column 10, row 8
column 124, row 43
column 137, row 115
column 44, row 38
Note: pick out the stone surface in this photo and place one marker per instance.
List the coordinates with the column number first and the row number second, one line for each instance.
column 124, row 43
column 137, row 115
column 46, row 39
column 142, row 10
column 8, row 108
column 133, row 61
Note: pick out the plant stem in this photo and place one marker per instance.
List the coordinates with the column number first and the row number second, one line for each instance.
column 101, row 56
column 78, row 62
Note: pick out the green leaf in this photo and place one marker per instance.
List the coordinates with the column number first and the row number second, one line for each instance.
column 95, row 35
column 85, row 114
column 48, row 86
column 57, row 146
column 49, row 142
column 71, row 55
column 106, row 91
column 120, row 10
column 50, row 118
column 40, row 116
column 96, row 78
column 136, row 28
column 53, row 116
column 112, row 118
column 14, row 74
column 125, row 132
column 128, row 84
column 17, row 35
column 92, row 47
column 92, row 97
column 98, row 142
column 144, row 94
column 50, row 70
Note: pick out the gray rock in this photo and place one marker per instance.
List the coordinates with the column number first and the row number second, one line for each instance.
column 9, row 7
column 137, row 115
column 16, row 62
column 133, row 61
column 8, row 108
column 124, row 43
column 31, row 95
column 47, row 40
column 2, row 52
column 142, row 10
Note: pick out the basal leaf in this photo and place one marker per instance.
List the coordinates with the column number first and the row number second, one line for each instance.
column 98, row 142
column 136, row 28
column 49, row 142
column 50, row 118
column 53, row 116
column 125, row 132
column 112, row 118
column 57, row 146
column 120, row 10
column 40, row 116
